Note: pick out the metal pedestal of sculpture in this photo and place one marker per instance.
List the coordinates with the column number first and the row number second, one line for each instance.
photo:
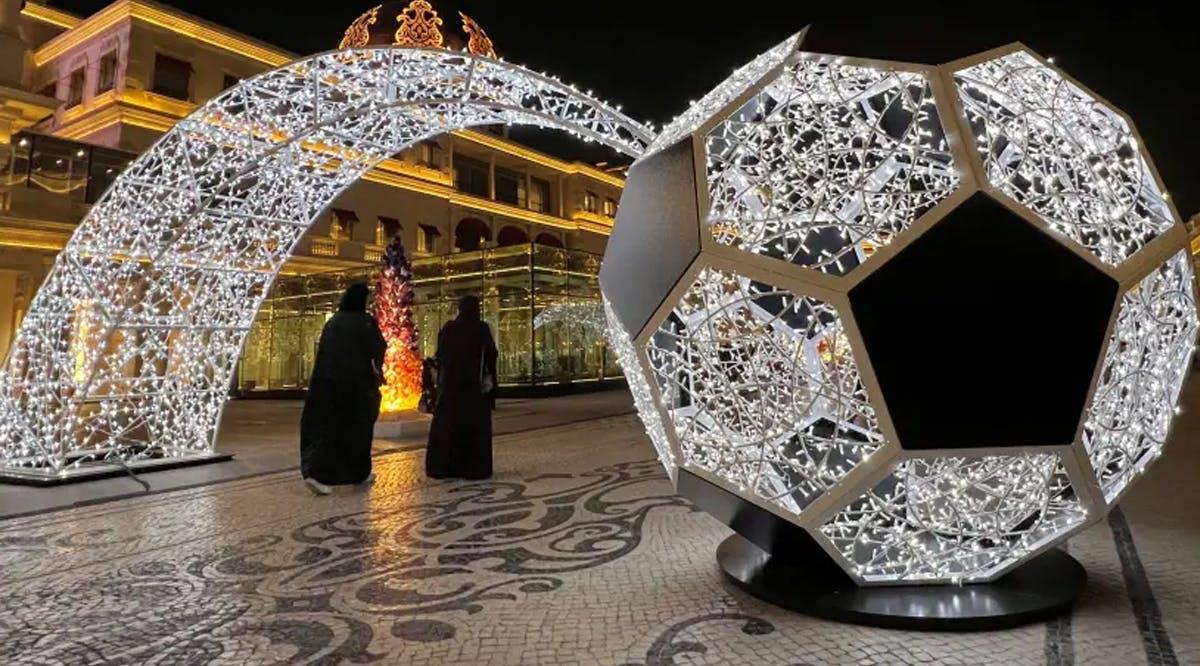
column 778, row 562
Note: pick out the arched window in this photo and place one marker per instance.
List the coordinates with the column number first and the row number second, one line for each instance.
column 470, row 234
column 511, row 236
column 549, row 240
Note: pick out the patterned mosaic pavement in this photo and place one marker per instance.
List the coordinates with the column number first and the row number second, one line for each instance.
column 577, row 553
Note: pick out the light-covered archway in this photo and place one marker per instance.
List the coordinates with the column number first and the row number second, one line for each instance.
column 129, row 347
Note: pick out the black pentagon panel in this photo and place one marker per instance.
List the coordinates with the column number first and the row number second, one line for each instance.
column 984, row 332
column 656, row 235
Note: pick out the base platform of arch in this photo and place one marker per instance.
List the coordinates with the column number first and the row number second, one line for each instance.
column 105, row 470
column 1042, row 589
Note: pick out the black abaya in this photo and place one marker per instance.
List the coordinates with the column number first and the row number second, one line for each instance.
column 338, row 423
column 460, row 437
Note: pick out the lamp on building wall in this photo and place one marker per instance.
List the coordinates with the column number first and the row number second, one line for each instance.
column 915, row 327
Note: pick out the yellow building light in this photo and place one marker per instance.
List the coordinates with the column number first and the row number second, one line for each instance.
column 50, row 15
column 186, row 26
column 497, row 208
column 595, row 219
column 529, row 155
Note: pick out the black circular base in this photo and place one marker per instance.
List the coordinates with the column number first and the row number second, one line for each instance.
column 1043, row 588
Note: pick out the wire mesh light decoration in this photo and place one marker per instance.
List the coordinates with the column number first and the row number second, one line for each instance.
column 762, row 230
column 129, row 348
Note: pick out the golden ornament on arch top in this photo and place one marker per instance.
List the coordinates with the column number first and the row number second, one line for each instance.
column 418, row 23
column 359, row 32
column 478, row 43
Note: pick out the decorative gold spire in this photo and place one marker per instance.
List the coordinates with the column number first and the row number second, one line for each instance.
column 478, row 42
column 420, row 25
column 359, row 32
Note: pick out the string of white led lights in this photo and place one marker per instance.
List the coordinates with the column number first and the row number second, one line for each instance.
column 128, row 348
column 584, row 316
column 1066, row 155
column 826, row 163
column 1142, row 375
column 763, row 389
column 815, row 162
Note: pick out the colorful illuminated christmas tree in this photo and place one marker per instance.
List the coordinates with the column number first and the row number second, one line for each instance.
column 394, row 310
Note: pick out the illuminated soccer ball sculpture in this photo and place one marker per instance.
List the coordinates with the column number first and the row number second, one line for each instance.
column 938, row 318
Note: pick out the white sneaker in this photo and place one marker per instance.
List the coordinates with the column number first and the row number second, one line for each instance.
column 370, row 480
column 317, row 487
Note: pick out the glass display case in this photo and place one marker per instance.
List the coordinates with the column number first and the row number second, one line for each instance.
column 543, row 304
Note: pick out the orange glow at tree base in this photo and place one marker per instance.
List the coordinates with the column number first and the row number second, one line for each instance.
column 402, row 363
column 402, row 370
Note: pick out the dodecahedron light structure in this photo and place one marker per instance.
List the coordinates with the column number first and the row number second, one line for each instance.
column 937, row 317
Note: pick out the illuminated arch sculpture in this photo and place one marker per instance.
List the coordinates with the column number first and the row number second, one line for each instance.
column 928, row 322
column 129, row 347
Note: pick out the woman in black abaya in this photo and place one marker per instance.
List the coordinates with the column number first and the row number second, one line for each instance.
column 338, row 422
column 460, row 437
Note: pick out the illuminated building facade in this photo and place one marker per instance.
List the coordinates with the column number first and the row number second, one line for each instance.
column 109, row 85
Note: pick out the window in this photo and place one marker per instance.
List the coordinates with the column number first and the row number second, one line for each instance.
column 387, row 229
column 75, row 91
column 589, row 202
column 471, row 234
column 104, row 167
column 230, row 81
column 510, row 187
column 342, row 225
column 471, row 176
column 510, row 236
column 58, row 166
column 427, row 238
column 49, row 90
column 549, row 240
column 430, row 154
column 610, row 207
column 539, row 195
column 108, row 72
column 172, row 77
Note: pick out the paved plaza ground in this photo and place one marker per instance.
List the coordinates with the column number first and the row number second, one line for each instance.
column 578, row 552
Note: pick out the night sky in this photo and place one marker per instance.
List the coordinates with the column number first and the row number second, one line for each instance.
column 654, row 56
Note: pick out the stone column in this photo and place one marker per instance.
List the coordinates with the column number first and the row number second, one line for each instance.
column 8, row 309
column 18, row 108
column 492, row 176
column 12, row 47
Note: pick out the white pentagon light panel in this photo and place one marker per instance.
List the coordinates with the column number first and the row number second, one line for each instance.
column 129, row 347
column 855, row 222
column 827, row 162
column 730, row 89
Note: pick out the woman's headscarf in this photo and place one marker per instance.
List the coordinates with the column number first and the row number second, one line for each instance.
column 355, row 298
column 468, row 308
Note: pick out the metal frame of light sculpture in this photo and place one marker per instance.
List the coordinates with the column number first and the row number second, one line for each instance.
column 752, row 374
column 129, row 347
